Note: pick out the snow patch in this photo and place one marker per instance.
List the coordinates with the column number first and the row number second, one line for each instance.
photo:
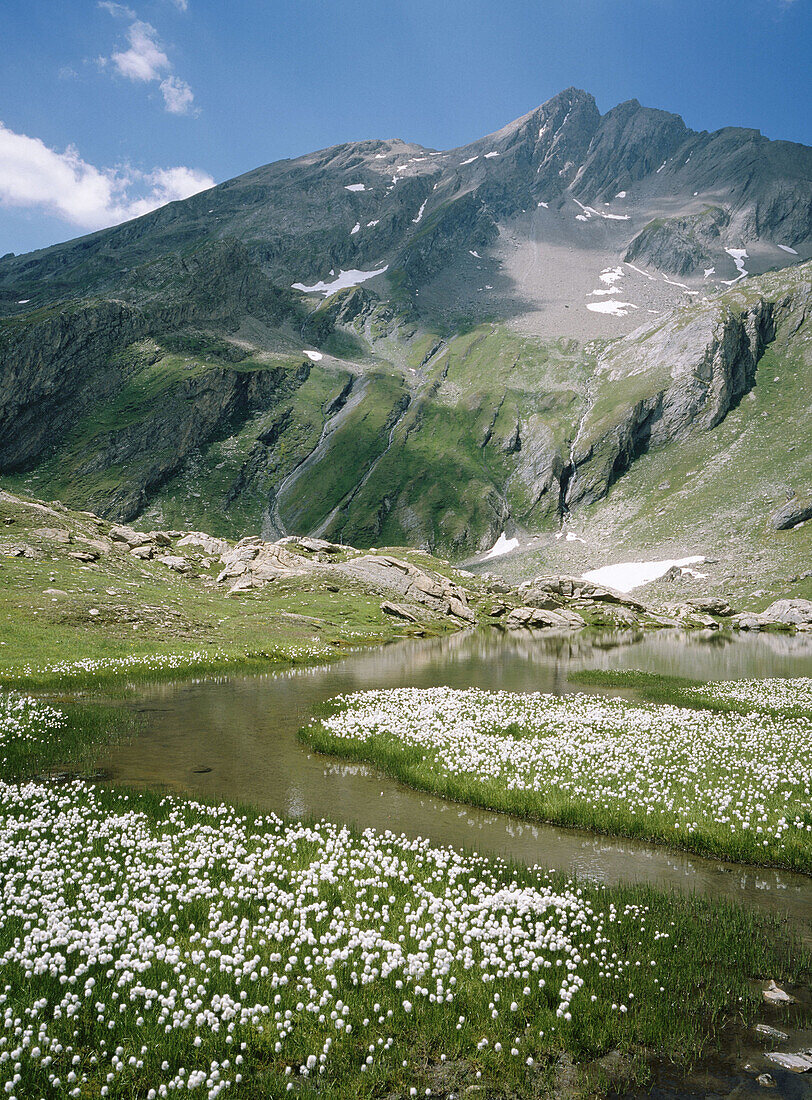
column 473, row 252
column 469, row 161
column 574, row 538
column 738, row 256
column 356, row 228
column 671, row 281
column 620, row 195
column 589, row 211
column 640, row 271
column 786, row 248
column 610, row 275
column 489, row 155
column 709, row 271
column 503, row 545
column 354, row 187
column 23, row 301
column 632, row 574
column 545, row 205
column 313, row 356
column 373, row 222
column 617, row 309
column 344, row 280
column 416, row 220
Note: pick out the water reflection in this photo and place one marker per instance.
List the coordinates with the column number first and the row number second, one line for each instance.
column 244, row 729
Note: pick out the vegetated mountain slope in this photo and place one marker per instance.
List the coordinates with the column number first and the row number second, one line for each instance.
column 734, row 489
column 233, row 362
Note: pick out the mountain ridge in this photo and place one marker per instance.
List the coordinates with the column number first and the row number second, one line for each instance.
column 384, row 343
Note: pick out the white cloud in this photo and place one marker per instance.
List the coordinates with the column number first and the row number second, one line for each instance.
column 144, row 60
column 181, row 5
column 117, row 9
column 178, row 96
column 34, row 176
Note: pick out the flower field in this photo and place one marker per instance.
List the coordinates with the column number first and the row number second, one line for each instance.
column 777, row 696
column 728, row 784
column 157, row 947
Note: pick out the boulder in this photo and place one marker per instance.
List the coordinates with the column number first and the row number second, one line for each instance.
column 791, row 513
column 541, row 618
column 801, row 1062
column 142, row 552
column 21, row 550
column 102, row 546
column 433, row 591
column 792, row 612
column 207, row 543
column 128, row 535
column 399, row 611
column 84, row 555
column 173, row 562
column 53, row 534
column 747, row 620
column 562, row 588
column 260, row 561
column 711, row 605
column 312, row 545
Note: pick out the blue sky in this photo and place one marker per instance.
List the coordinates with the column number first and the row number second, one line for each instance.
column 108, row 109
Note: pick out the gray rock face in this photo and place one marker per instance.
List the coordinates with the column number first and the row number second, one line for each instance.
column 434, row 591
column 205, row 542
column 687, row 376
column 535, row 618
column 792, row 513
column 793, row 612
column 682, row 245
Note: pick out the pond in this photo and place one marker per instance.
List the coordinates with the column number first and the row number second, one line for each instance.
column 236, row 737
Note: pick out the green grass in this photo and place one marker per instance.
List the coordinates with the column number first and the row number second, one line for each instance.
column 676, row 690
column 121, row 608
column 82, row 726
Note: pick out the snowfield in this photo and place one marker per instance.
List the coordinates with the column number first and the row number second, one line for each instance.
column 343, row 280
column 632, row 574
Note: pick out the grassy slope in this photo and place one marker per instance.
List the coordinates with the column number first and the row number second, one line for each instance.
column 146, row 609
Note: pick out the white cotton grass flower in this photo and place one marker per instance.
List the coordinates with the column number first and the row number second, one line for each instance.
column 669, row 771
column 153, row 949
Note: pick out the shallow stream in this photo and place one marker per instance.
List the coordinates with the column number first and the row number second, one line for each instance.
column 236, row 737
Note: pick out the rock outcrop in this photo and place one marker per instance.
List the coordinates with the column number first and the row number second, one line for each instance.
column 415, row 585
column 680, row 377
column 789, row 515
column 535, row 618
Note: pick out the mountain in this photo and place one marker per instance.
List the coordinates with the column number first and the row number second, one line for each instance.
column 379, row 342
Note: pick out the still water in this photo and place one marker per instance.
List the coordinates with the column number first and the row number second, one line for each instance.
column 236, row 738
